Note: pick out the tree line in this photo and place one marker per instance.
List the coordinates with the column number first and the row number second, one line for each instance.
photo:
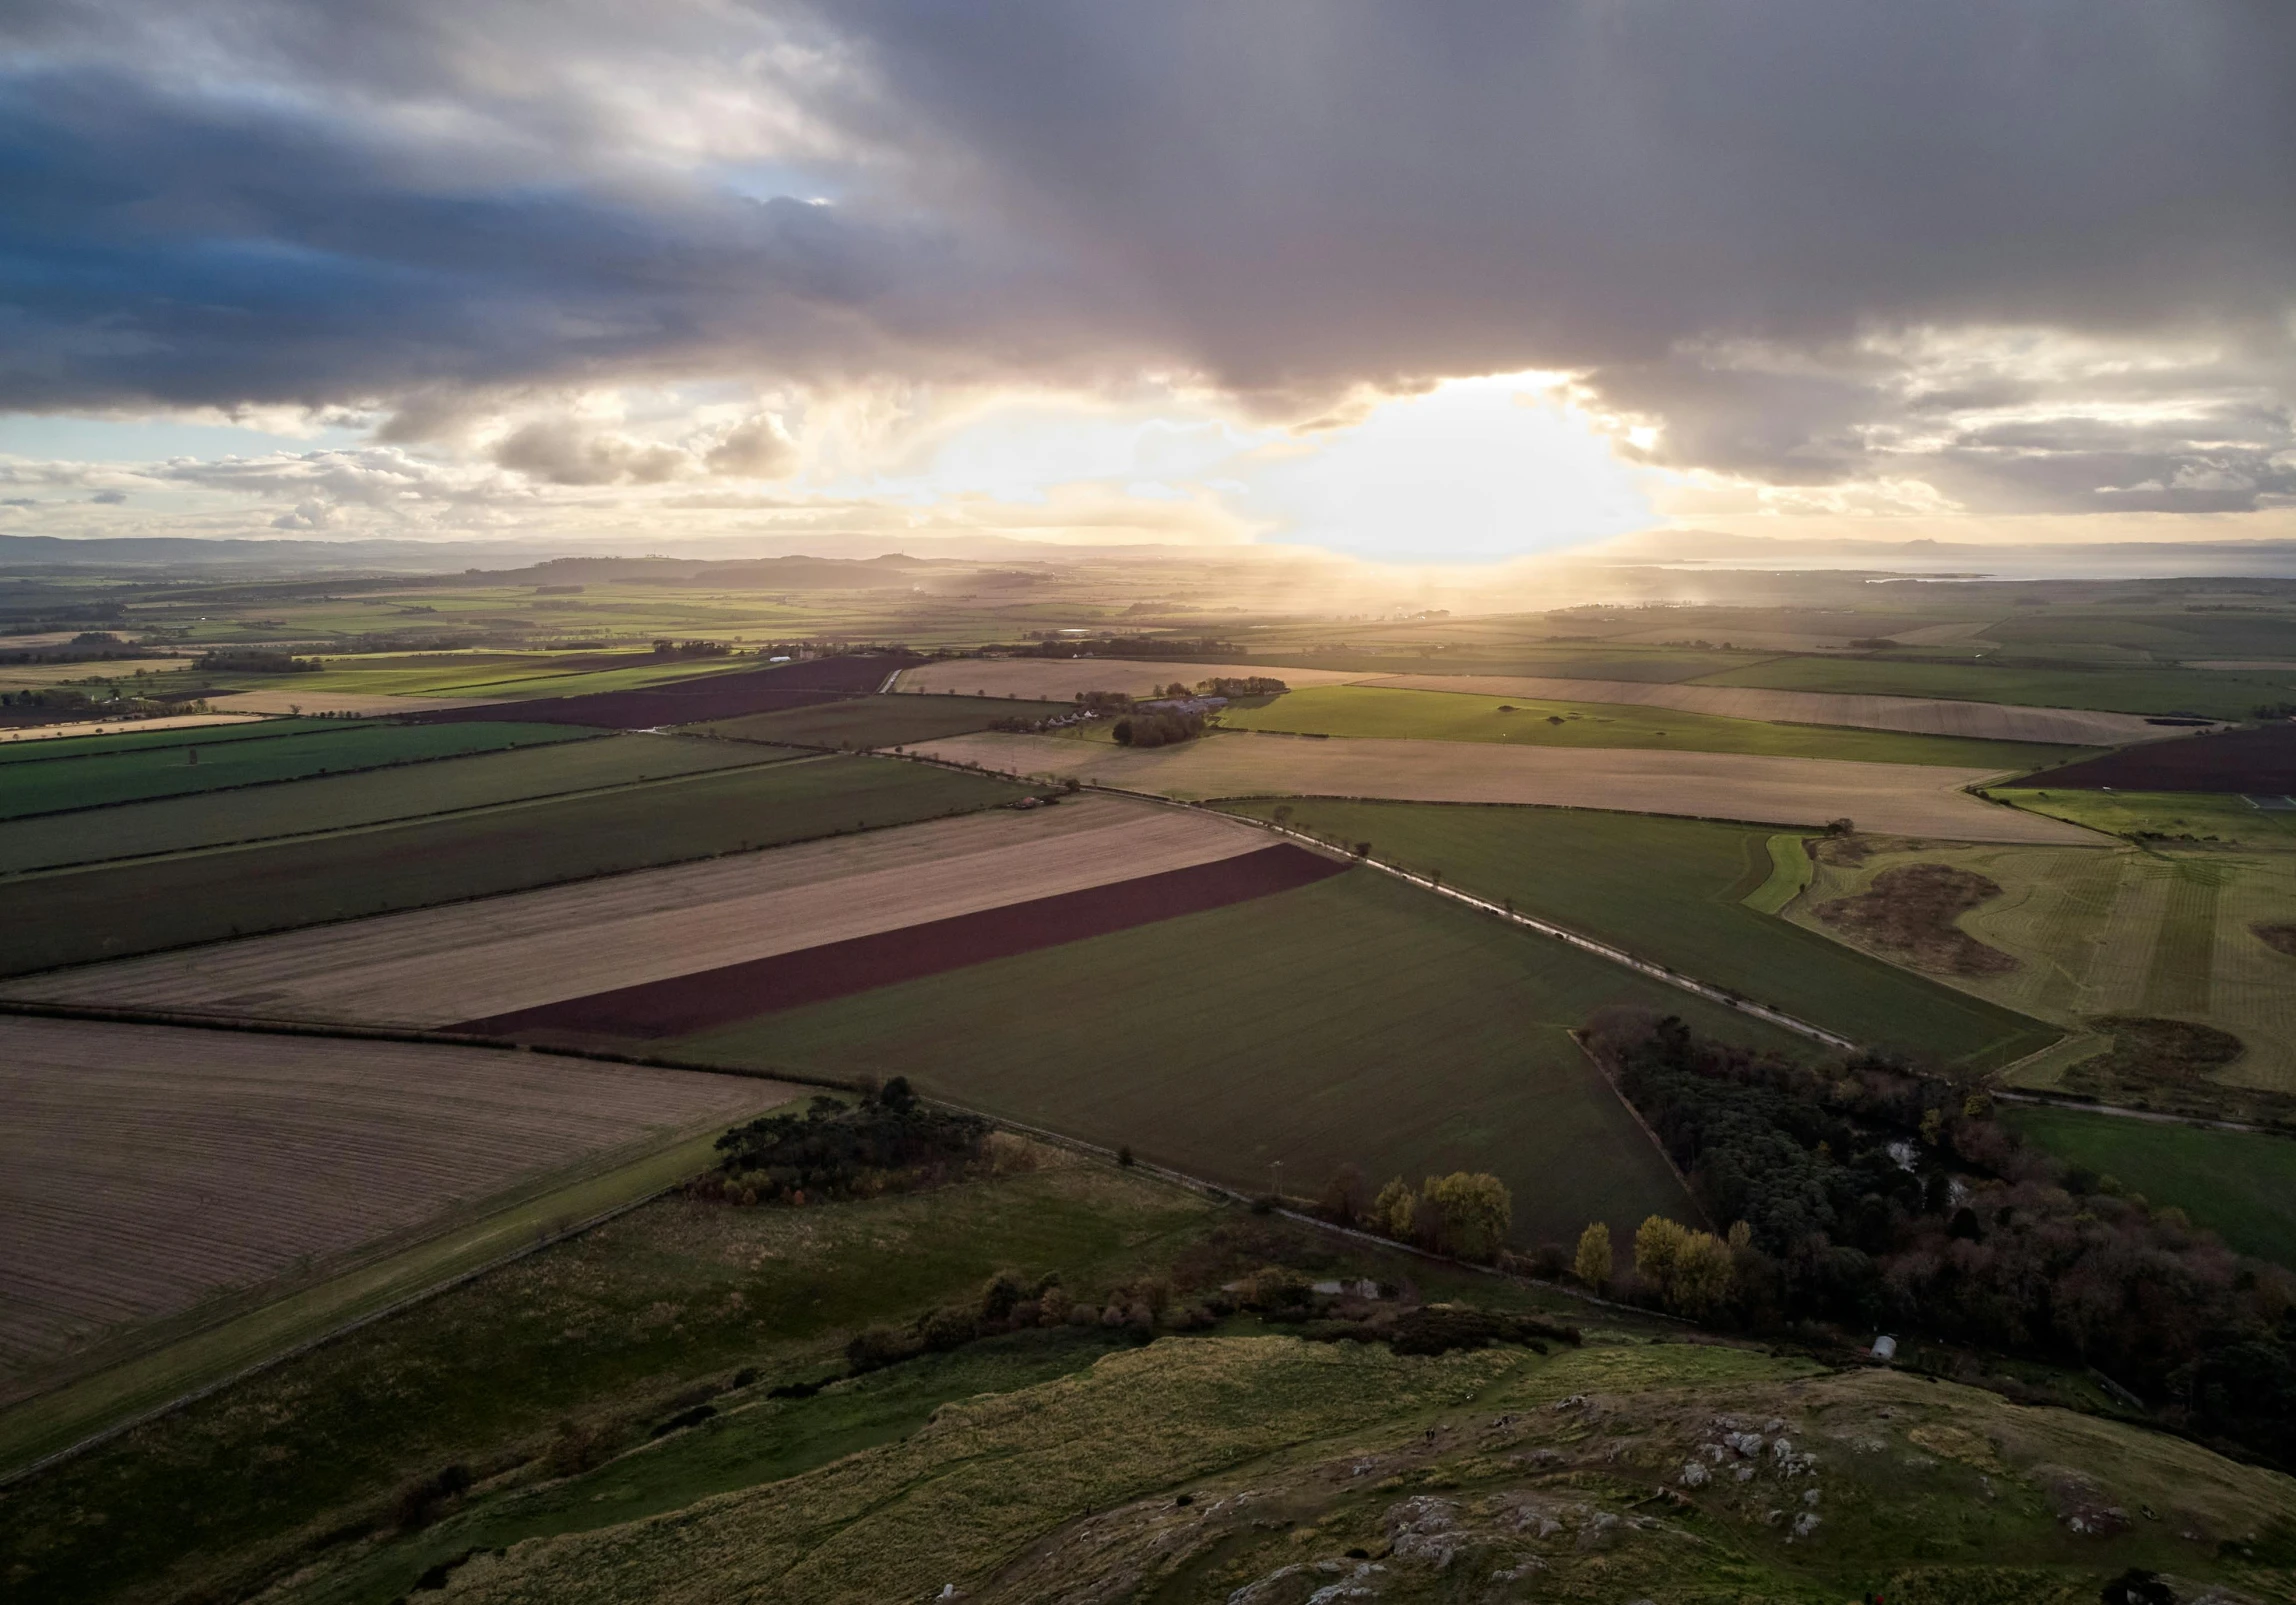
column 1871, row 1194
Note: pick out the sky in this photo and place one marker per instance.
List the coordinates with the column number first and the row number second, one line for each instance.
column 1421, row 282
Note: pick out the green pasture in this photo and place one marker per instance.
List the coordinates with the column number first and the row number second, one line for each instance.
column 2176, row 815
column 2170, row 632
column 335, row 747
column 2163, row 931
column 1357, row 1021
column 2239, row 1184
column 328, row 802
column 489, row 674
column 2209, row 693
column 106, row 911
column 127, row 737
column 1380, row 711
column 878, row 721
column 1673, row 890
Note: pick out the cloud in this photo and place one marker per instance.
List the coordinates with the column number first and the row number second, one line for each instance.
column 563, row 452
column 757, row 448
column 1813, row 249
column 109, row 498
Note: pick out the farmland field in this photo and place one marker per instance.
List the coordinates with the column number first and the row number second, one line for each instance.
column 1673, row 890
column 1985, row 721
column 326, row 802
column 2175, row 814
column 878, row 721
column 27, row 740
column 1452, row 715
column 690, row 700
column 1358, row 1020
column 433, row 967
column 1064, row 679
column 703, row 1000
column 2123, row 690
column 262, row 1152
column 2259, row 760
column 146, row 735
column 114, row 910
column 2239, row 1184
column 1914, row 799
column 2119, row 931
column 106, row 777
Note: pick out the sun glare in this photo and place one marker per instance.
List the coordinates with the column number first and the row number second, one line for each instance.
column 1475, row 470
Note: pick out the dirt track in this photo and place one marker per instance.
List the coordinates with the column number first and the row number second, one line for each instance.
column 146, row 1167
column 1927, row 716
column 1897, row 799
column 431, row 967
column 1058, row 679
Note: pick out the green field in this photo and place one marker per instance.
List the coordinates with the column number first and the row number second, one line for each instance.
column 878, row 721
column 2163, row 932
column 2239, row 1184
column 1673, row 890
column 343, row 802
column 336, row 747
column 2175, row 815
column 78, row 915
column 1790, row 872
column 128, row 737
column 1357, row 1021
column 1356, row 710
column 2213, row 694
column 487, row 674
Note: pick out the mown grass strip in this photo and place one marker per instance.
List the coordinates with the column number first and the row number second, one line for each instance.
column 1790, row 872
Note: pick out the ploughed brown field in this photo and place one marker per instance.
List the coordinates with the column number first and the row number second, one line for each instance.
column 146, row 1167
column 1892, row 799
column 1061, row 679
column 709, row 696
column 2261, row 761
column 713, row 998
column 497, row 955
column 1927, row 716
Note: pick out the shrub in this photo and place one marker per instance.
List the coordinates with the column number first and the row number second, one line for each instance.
column 876, row 1347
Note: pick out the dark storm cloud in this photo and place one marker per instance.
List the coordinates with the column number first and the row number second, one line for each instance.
column 1721, row 214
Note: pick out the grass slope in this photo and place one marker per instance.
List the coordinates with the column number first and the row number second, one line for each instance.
column 2237, row 1183
column 327, row 802
column 337, row 747
column 107, row 911
column 1354, row 710
column 879, row 721
column 1355, row 1021
column 1672, row 890
column 607, row 1329
column 1259, row 1469
column 2209, row 693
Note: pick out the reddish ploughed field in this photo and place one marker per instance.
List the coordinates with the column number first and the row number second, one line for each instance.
column 711, row 998
column 709, row 696
column 2262, row 760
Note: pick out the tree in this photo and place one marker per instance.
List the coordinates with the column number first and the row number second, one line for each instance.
column 1345, row 1194
column 1592, row 1263
column 1474, row 1213
column 1704, row 1270
column 1657, row 1245
column 1391, row 1211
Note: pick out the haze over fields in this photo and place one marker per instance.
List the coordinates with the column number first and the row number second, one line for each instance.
column 1271, row 804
